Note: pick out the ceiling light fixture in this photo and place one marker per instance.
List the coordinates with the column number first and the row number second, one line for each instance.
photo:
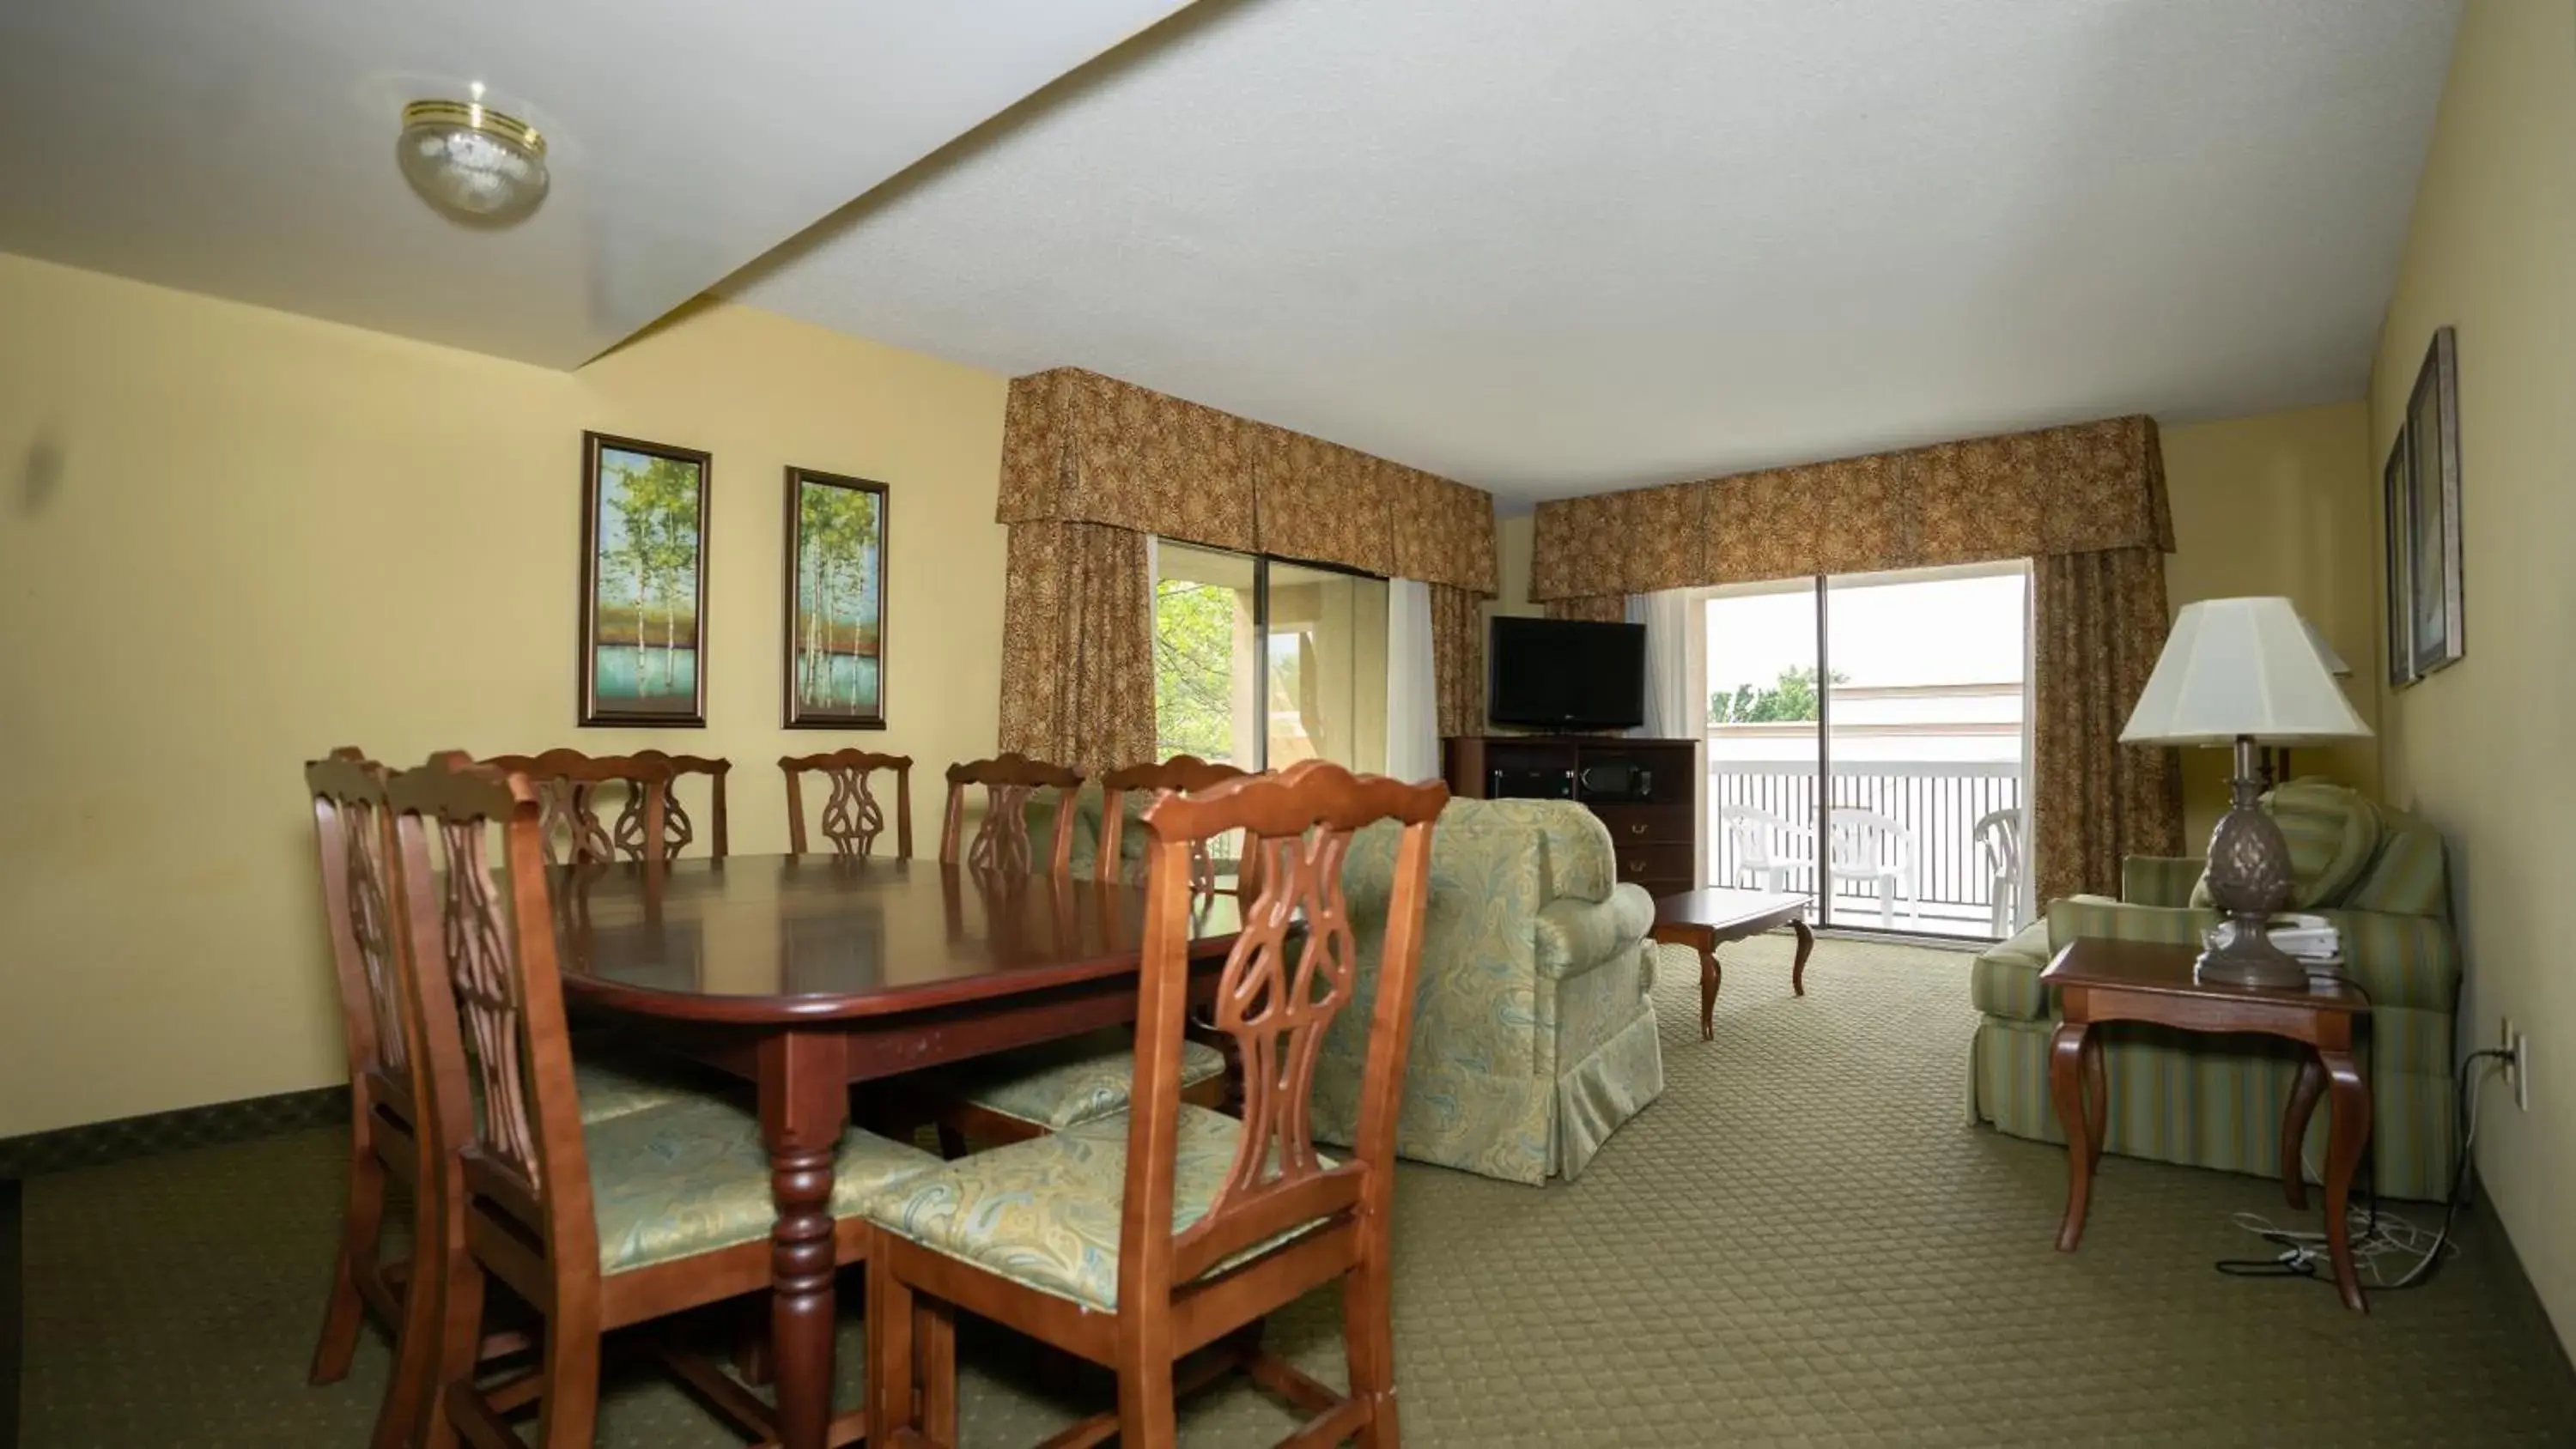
column 471, row 161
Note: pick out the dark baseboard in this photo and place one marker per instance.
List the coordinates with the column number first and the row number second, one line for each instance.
column 94, row 1143
column 13, row 1308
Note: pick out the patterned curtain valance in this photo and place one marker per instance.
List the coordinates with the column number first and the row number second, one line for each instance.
column 1322, row 501
column 1082, row 448
column 1078, row 447
column 2087, row 488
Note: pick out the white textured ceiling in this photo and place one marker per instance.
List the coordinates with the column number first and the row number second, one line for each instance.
column 1551, row 248
column 245, row 148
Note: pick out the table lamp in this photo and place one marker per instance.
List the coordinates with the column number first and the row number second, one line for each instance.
column 2238, row 672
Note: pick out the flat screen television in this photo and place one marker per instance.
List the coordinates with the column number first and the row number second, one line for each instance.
column 1566, row 674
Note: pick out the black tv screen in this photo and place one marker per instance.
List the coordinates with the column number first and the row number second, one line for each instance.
column 1566, row 674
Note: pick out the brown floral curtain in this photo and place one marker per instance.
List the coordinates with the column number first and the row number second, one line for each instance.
column 2078, row 489
column 1443, row 531
column 2100, row 622
column 1598, row 608
column 1458, row 659
column 1078, row 646
column 1322, row 502
column 1078, row 447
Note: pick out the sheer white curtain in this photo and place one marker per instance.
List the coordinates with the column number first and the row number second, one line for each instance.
column 1667, row 617
column 1412, row 689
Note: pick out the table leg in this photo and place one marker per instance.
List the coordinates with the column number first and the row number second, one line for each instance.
column 2295, row 1113
column 1704, row 941
column 1709, row 976
column 804, row 1107
column 1806, row 943
column 2066, row 1086
column 2348, row 1130
column 2097, row 1100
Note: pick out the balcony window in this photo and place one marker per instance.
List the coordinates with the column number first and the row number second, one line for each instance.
column 1909, row 693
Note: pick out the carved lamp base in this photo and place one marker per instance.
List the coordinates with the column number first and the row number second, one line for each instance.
column 2249, row 879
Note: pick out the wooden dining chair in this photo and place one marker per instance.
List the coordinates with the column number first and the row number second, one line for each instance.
column 353, row 834
column 568, row 782
column 1015, row 1095
column 1180, row 772
column 1001, row 840
column 597, row 1225
column 362, row 905
column 1138, row 1239
column 852, row 816
column 678, row 832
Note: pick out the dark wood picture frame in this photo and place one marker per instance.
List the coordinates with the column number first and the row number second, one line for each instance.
column 2398, row 527
column 683, row 710
column 804, row 711
column 2435, row 596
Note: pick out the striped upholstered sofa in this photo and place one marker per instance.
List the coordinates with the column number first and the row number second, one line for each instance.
column 2216, row 1101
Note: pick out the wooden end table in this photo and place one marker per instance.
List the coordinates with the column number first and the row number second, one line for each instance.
column 1706, row 919
column 2100, row 981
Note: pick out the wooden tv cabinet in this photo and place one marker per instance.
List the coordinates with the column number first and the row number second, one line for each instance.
column 1644, row 790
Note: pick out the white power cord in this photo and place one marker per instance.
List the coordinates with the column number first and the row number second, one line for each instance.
column 2376, row 1234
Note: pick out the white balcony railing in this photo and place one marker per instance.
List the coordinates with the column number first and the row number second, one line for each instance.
column 1938, row 801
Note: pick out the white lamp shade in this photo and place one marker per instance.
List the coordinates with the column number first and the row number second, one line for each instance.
column 2236, row 667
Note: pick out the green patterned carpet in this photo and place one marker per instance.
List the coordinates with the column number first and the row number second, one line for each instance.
column 1801, row 1243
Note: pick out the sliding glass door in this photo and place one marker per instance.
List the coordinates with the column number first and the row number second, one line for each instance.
column 1260, row 662
column 1764, row 752
column 1909, row 694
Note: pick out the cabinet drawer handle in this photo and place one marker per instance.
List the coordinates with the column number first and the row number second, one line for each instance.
column 1636, row 827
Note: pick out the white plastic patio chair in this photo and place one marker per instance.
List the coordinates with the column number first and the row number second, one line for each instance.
column 1766, row 849
column 1877, row 852
column 1998, row 835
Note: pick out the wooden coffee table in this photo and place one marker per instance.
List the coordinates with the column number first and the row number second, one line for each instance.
column 1707, row 918
column 2101, row 981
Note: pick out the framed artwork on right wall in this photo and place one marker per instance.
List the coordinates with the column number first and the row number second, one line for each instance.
column 2434, row 586
column 2395, row 531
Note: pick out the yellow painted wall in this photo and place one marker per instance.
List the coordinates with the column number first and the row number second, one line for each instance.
column 2481, row 749
column 231, row 539
column 2281, row 503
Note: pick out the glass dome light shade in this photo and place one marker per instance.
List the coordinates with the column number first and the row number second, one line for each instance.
column 472, row 161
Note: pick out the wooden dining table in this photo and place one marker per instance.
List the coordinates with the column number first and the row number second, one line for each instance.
column 805, row 975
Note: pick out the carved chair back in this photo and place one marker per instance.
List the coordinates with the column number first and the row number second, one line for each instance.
column 1001, row 839
column 488, row 998
column 1179, row 773
column 353, row 837
column 1275, row 997
column 568, row 783
column 678, row 831
column 852, row 816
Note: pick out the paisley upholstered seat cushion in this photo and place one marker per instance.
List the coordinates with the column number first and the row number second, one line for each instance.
column 618, row 1084
column 1044, row 1213
column 1077, row 1080
column 691, row 1176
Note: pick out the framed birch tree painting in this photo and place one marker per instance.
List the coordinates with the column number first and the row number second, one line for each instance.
column 644, row 582
column 836, row 565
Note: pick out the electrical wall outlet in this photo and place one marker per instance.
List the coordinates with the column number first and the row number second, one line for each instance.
column 2517, row 1063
